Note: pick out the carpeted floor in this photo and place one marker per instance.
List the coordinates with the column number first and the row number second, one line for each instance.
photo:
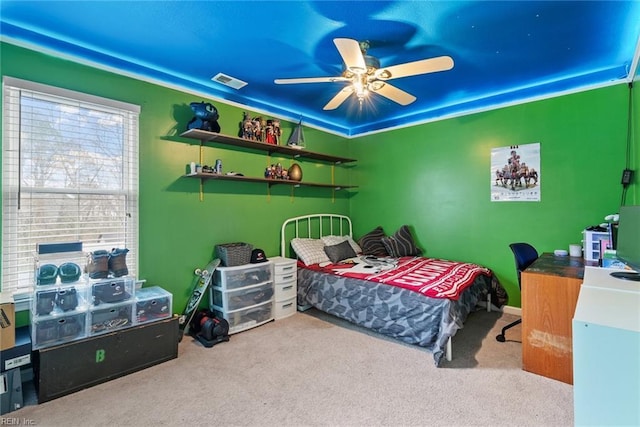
column 315, row 370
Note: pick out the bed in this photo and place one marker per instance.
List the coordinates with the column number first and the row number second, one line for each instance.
column 371, row 291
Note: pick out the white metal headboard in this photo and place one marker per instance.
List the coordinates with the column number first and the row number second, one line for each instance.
column 313, row 226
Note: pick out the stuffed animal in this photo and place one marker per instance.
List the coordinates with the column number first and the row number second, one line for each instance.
column 206, row 117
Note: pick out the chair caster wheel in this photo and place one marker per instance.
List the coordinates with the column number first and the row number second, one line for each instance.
column 500, row 338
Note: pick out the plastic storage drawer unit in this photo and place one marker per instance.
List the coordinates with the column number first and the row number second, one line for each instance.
column 153, row 303
column 247, row 318
column 286, row 286
column 241, row 298
column 47, row 331
column 242, row 275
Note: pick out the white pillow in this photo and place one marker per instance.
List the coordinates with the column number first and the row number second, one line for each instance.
column 310, row 251
column 335, row 240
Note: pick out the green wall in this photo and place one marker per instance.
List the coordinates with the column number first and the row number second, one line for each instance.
column 177, row 230
column 436, row 178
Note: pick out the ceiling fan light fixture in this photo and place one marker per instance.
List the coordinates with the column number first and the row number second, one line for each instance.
column 363, row 93
column 360, row 86
column 363, row 75
column 384, row 74
column 376, row 85
column 357, row 70
column 372, row 64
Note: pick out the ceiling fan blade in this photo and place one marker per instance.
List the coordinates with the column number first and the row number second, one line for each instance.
column 395, row 94
column 310, row 80
column 424, row 66
column 351, row 54
column 340, row 97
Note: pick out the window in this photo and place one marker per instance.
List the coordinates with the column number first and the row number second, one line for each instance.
column 69, row 174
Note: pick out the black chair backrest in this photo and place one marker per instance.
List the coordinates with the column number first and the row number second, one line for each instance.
column 524, row 255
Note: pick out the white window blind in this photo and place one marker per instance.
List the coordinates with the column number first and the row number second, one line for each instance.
column 69, row 174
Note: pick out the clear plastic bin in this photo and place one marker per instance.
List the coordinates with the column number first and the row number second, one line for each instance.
column 47, row 331
column 153, row 303
column 110, row 317
column 57, row 299
column 111, row 291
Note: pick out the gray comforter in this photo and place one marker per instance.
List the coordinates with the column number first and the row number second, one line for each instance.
column 392, row 311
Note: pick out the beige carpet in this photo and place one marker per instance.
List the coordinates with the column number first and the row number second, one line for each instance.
column 314, row 370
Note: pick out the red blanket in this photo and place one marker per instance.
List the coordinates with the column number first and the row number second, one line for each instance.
column 435, row 278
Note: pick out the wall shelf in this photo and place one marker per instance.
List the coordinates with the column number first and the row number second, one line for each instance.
column 270, row 182
column 212, row 137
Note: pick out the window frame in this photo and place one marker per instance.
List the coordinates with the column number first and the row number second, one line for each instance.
column 11, row 261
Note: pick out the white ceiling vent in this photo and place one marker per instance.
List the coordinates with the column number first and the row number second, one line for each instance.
column 228, row 81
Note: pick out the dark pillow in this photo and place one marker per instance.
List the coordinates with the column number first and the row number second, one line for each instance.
column 371, row 243
column 401, row 243
column 337, row 253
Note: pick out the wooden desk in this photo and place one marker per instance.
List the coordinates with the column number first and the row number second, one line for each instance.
column 550, row 288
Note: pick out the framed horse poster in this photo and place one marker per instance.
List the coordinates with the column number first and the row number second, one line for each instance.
column 515, row 173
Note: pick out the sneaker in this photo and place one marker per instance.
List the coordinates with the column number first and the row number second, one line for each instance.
column 98, row 265
column 118, row 262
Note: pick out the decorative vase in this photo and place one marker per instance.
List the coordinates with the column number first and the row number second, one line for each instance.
column 295, row 172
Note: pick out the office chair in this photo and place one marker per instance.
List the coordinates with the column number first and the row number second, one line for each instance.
column 524, row 255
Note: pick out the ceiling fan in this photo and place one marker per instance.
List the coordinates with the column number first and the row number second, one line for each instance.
column 365, row 75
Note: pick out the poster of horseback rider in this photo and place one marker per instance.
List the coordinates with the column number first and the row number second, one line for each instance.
column 515, row 173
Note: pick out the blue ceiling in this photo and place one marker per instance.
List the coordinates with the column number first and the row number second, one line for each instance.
column 504, row 52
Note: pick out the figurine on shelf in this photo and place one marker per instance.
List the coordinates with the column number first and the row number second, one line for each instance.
column 270, row 172
column 259, row 129
column 270, row 137
column 256, row 129
column 246, row 126
column 272, row 132
column 277, row 131
column 296, row 140
column 276, row 172
column 206, row 117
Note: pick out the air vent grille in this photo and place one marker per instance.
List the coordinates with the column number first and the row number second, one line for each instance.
column 228, row 81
